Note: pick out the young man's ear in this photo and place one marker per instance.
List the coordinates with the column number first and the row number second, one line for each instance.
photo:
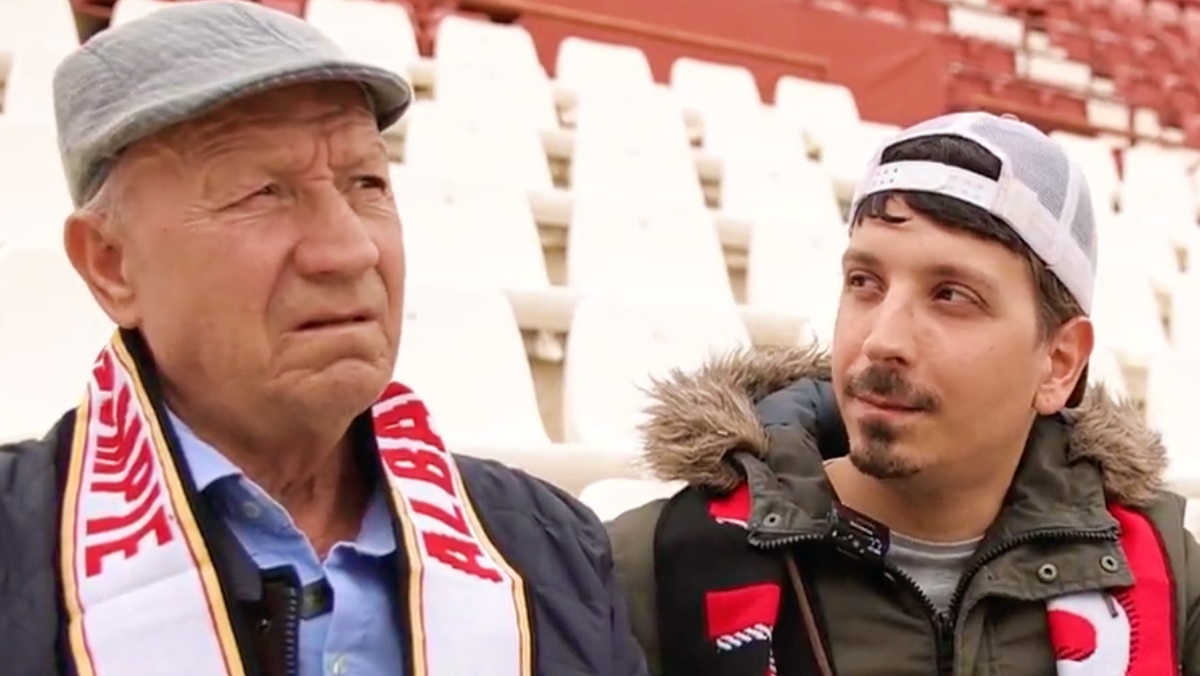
column 1070, row 348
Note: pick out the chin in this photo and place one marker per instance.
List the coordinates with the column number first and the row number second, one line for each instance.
column 346, row 387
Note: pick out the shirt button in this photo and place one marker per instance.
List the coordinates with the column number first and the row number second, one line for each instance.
column 338, row 666
column 251, row 510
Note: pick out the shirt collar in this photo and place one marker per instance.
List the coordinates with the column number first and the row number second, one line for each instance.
column 210, row 467
column 207, row 464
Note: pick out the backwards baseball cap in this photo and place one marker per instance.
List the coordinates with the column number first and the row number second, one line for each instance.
column 1041, row 194
column 182, row 61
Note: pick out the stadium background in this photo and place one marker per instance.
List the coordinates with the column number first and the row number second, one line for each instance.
column 597, row 190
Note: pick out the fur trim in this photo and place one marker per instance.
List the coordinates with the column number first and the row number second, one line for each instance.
column 697, row 419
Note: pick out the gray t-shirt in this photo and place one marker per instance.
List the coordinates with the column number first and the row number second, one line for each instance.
column 935, row 566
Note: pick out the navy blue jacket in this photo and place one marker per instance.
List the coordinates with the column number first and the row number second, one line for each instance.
column 557, row 545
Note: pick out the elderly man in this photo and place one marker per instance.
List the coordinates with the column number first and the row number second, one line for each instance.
column 242, row 490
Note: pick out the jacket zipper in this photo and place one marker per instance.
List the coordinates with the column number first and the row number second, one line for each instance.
column 944, row 623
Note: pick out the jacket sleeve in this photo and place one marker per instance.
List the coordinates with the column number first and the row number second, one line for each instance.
column 628, row 656
column 632, row 535
column 1191, row 582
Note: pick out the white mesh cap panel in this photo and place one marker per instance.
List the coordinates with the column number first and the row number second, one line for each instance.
column 1041, row 193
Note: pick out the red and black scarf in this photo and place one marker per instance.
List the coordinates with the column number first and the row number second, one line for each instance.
column 721, row 602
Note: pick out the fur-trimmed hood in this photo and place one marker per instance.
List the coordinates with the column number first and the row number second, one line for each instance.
column 698, row 419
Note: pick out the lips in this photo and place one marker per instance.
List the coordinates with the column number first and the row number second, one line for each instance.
column 333, row 320
column 887, row 404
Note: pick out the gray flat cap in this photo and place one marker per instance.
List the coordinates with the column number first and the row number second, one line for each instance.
column 181, row 62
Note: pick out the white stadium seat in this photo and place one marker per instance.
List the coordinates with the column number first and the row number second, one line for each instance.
column 492, row 69
column 50, row 333
column 34, row 200
column 29, row 91
column 616, row 347
column 467, row 234
column 129, row 10
column 462, row 352
column 635, row 148
column 592, row 66
column 824, row 109
column 623, row 251
column 609, row 498
column 474, row 148
column 380, row 33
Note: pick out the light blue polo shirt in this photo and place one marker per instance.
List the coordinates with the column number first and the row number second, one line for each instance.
column 361, row 636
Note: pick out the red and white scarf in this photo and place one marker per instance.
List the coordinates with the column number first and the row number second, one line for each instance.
column 138, row 577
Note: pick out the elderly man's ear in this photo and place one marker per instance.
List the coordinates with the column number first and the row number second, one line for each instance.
column 97, row 253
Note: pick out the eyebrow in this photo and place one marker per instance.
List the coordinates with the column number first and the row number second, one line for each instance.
column 942, row 270
column 860, row 257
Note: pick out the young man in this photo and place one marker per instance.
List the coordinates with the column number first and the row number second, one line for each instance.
column 989, row 517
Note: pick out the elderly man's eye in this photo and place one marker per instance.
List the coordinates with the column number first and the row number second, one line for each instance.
column 371, row 182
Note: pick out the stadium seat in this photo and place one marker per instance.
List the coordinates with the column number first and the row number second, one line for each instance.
column 1055, row 71
column 764, row 132
column 463, row 353
column 705, row 85
column 1185, row 324
column 1105, row 369
column 492, row 69
column 734, row 117
column 380, row 33
column 614, row 348
column 50, row 333
column 128, row 10
column 456, row 233
column 824, row 109
column 34, row 201
column 1140, row 249
column 1125, row 311
column 634, row 149
column 1172, row 392
column 1155, row 190
column 29, row 92
column 670, row 255
column 786, row 188
column 593, row 66
column 986, row 24
column 609, row 498
column 794, row 259
column 846, row 152
column 49, row 26
column 715, row 90
column 475, row 148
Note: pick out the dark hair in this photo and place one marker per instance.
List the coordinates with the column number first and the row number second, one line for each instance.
column 1056, row 305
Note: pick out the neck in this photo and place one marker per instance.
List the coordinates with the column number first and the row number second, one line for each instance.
column 318, row 481
column 932, row 508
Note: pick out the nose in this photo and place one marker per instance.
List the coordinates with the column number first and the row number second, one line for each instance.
column 335, row 241
column 891, row 336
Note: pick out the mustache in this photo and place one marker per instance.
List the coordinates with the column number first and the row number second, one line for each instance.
column 885, row 383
